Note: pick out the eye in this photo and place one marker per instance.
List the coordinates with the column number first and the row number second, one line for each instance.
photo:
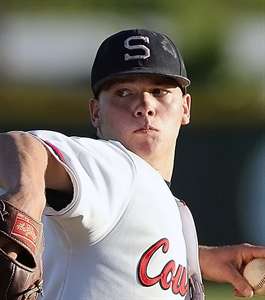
column 124, row 92
column 158, row 92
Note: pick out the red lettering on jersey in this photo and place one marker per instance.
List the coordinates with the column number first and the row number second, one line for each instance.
column 169, row 277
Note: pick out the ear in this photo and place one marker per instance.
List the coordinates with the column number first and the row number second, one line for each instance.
column 94, row 111
column 186, row 109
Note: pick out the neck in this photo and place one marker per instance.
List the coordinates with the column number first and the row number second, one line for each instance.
column 163, row 165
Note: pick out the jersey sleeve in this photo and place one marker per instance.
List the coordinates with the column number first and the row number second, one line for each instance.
column 102, row 174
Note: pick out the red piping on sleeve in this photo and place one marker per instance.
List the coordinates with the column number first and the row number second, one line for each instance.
column 56, row 151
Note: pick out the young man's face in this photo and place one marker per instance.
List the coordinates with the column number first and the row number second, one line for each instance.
column 143, row 113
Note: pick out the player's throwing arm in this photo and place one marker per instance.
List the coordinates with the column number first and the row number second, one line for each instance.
column 22, row 166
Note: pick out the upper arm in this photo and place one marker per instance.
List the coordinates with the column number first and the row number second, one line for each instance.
column 56, row 175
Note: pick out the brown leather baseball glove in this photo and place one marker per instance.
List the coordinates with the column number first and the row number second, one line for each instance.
column 21, row 276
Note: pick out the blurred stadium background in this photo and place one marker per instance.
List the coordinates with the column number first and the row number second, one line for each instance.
column 46, row 51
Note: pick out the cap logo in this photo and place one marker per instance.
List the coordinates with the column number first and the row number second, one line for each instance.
column 169, row 48
column 145, row 49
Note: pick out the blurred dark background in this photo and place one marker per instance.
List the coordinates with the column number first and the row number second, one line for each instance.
column 46, row 52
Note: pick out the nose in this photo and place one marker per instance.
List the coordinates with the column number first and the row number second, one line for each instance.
column 145, row 107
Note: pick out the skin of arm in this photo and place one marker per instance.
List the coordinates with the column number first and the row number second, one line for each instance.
column 26, row 169
column 225, row 264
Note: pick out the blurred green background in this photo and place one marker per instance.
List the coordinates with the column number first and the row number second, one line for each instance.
column 46, row 52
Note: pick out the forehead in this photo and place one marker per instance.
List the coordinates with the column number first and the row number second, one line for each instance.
column 141, row 79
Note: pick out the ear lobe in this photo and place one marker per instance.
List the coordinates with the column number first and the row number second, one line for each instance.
column 186, row 109
column 94, row 112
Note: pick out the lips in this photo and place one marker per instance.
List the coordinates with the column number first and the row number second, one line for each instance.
column 145, row 129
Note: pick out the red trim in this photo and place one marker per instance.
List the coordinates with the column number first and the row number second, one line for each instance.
column 56, row 150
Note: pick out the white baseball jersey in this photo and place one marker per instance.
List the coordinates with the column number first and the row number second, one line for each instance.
column 121, row 237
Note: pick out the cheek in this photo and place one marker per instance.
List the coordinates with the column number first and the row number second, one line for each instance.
column 173, row 114
column 172, row 122
column 114, row 119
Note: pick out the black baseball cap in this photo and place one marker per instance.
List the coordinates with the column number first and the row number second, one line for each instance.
column 137, row 51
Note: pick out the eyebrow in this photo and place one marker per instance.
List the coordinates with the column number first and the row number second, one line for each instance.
column 156, row 80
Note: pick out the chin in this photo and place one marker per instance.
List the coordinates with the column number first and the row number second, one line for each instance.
column 143, row 149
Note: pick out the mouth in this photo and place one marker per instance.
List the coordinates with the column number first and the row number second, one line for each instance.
column 146, row 129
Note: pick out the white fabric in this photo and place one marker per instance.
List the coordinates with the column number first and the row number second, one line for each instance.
column 121, row 237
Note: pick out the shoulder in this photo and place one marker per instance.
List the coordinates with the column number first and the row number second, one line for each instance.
column 85, row 142
column 108, row 152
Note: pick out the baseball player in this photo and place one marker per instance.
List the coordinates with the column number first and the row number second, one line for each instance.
column 112, row 228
